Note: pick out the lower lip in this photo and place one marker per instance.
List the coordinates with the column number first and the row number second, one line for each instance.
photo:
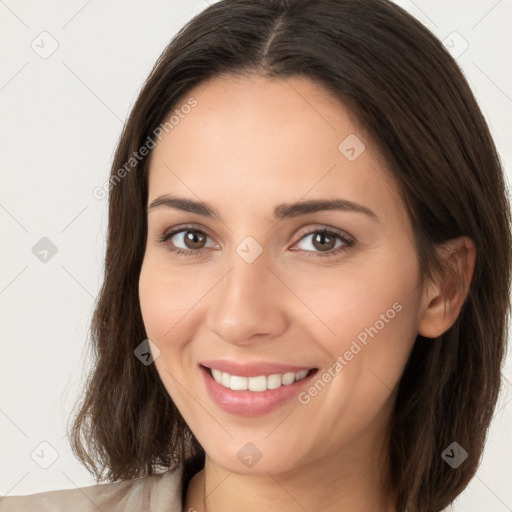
column 251, row 403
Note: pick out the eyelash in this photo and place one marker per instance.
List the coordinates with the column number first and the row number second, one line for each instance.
column 348, row 243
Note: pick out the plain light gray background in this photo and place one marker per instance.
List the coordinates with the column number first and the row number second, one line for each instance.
column 61, row 116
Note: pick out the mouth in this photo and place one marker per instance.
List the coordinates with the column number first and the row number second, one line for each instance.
column 263, row 389
column 258, row 383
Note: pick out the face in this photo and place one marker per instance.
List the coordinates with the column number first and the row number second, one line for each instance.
column 313, row 308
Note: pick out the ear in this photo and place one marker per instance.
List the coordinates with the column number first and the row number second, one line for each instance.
column 444, row 298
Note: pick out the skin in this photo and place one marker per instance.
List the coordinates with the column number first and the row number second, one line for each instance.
column 249, row 145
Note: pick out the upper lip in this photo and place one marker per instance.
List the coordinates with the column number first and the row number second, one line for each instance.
column 252, row 369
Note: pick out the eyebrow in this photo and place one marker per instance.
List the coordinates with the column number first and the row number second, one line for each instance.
column 281, row 211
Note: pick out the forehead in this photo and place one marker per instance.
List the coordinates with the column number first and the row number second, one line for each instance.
column 257, row 139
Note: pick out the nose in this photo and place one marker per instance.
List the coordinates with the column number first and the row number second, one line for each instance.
column 248, row 304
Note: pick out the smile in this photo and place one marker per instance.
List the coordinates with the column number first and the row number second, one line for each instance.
column 262, row 387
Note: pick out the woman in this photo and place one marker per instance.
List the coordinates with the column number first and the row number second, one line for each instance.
column 307, row 273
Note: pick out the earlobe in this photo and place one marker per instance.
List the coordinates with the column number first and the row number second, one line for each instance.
column 444, row 298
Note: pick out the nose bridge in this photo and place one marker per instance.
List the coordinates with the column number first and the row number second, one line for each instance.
column 246, row 301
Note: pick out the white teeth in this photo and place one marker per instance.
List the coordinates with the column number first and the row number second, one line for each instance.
column 259, row 383
column 237, row 383
column 274, row 381
column 288, row 378
column 300, row 375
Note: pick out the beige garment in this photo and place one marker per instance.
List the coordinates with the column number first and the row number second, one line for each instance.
column 158, row 493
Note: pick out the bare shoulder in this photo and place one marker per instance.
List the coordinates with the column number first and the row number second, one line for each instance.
column 156, row 493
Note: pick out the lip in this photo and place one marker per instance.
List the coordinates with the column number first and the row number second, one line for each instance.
column 252, row 403
column 253, row 369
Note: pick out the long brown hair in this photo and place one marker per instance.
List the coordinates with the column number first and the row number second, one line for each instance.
column 413, row 99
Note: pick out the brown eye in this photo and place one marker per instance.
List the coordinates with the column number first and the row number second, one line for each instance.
column 325, row 242
column 186, row 241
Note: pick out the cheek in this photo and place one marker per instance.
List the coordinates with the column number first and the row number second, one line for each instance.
column 167, row 296
column 366, row 319
column 368, row 354
column 355, row 301
column 166, row 301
